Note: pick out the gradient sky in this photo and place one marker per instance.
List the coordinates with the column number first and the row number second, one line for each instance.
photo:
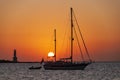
column 28, row 25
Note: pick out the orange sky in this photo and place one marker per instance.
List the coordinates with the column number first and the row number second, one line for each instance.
column 28, row 25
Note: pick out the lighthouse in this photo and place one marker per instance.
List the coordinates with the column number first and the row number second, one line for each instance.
column 14, row 56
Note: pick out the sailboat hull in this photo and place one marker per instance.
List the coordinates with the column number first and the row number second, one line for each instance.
column 65, row 66
column 34, row 68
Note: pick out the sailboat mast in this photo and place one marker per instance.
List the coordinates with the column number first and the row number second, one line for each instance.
column 71, row 35
column 55, row 43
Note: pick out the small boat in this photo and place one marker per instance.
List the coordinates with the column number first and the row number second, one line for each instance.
column 33, row 68
column 67, row 63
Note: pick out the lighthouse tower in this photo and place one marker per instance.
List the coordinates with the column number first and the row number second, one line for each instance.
column 14, row 56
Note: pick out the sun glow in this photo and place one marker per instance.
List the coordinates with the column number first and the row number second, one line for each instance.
column 50, row 54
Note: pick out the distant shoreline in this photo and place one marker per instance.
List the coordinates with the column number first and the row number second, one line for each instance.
column 19, row 62
column 107, row 61
column 8, row 61
column 39, row 62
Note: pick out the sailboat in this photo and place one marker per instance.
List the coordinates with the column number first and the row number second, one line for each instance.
column 67, row 63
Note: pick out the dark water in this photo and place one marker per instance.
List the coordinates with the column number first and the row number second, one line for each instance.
column 95, row 71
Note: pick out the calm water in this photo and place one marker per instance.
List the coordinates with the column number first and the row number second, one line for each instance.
column 95, row 71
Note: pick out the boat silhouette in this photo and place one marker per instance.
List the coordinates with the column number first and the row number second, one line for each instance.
column 67, row 63
column 39, row 67
column 33, row 68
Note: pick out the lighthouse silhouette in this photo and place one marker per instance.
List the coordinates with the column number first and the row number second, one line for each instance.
column 14, row 56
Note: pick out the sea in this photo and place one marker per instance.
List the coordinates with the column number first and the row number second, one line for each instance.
column 94, row 71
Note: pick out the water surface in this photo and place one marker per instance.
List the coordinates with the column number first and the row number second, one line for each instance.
column 95, row 71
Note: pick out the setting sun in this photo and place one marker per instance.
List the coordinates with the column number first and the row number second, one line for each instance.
column 50, row 54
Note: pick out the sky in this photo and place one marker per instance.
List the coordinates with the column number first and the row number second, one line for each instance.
column 28, row 26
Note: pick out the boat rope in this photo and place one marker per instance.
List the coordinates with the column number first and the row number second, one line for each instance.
column 64, row 41
column 81, row 36
column 64, row 38
column 79, row 45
